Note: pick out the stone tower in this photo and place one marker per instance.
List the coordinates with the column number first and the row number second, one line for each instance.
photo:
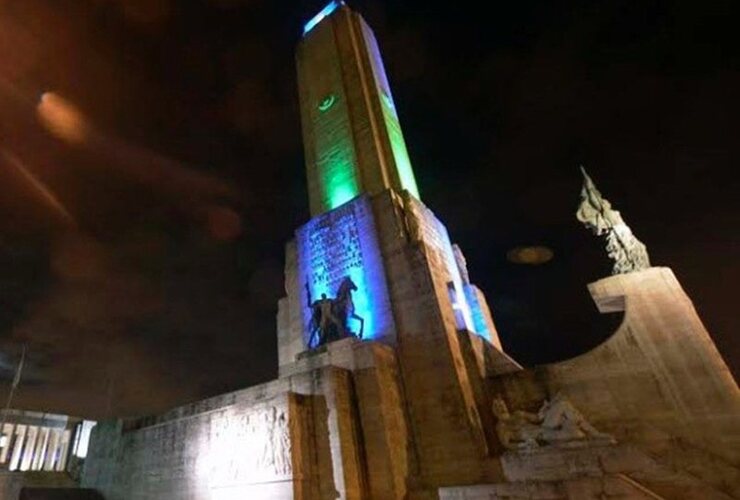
column 351, row 134
column 413, row 293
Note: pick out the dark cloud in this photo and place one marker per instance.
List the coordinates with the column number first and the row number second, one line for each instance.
column 166, row 290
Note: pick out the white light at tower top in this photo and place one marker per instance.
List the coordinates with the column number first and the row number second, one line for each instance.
column 326, row 11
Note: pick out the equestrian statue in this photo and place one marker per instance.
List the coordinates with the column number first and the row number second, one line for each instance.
column 330, row 317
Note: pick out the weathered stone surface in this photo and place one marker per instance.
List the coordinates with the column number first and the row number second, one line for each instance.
column 658, row 383
column 660, row 368
column 413, row 416
column 235, row 450
column 596, row 488
column 492, row 361
column 584, row 473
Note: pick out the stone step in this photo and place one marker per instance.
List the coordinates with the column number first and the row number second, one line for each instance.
column 612, row 486
column 564, row 465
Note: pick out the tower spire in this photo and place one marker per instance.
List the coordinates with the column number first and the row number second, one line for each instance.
column 352, row 137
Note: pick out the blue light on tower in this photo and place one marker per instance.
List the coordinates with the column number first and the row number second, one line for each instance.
column 326, row 11
column 343, row 243
column 476, row 311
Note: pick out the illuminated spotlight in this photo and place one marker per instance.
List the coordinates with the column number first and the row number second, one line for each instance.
column 326, row 11
column 62, row 118
column 531, row 256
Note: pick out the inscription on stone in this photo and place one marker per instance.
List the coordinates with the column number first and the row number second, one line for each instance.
column 334, row 248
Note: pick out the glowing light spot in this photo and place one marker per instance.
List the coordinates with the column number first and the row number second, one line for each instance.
column 341, row 194
column 327, row 102
column 326, row 11
column 62, row 118
column 532, row 256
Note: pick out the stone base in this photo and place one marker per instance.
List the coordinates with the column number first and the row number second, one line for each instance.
column 296, row 437
column 578, row 489
column 586, row 471
column 350, row 353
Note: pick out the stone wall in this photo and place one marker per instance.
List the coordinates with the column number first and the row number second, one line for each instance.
column 334, row 428
column 236, row 450
column 658, row 383
column 444, row 406
column 421, row 297
column 659, row 369
column 410, row 414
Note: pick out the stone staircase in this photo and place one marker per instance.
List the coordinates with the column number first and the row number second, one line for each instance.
column 588, row 472
column 687, row 459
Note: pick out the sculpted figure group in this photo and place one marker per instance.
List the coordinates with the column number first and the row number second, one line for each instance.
column 596, row 213
column 557, row 421
column 330, row 317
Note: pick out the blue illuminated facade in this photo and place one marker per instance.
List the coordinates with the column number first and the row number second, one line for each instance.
column 476, row 312
column 341, row 243
column 439, row 239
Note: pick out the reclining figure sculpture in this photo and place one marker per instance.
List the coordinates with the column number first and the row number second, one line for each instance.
column 556, row 422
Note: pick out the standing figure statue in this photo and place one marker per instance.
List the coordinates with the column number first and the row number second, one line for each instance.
column 329, row 317
column 322, row 319
column 596, row 213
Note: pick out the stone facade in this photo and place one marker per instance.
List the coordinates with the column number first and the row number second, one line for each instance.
column 658, row 384
column 409, row 415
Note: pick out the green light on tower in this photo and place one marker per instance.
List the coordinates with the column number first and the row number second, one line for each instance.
column 341, row 191
column 398, row 146
column 339, row 177
column 353, row 139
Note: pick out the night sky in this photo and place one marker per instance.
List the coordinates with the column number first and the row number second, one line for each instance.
column 141, row 255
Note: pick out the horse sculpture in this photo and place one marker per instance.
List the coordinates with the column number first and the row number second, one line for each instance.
column 344, row 308
column 329, row 317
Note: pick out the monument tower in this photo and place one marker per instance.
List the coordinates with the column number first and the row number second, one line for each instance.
column 370, row 231
column 352, row 138
column 392, row 382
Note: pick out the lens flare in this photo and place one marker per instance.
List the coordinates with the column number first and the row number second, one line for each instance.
column 42, row 190
column 62, row 119
column 532, row 256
